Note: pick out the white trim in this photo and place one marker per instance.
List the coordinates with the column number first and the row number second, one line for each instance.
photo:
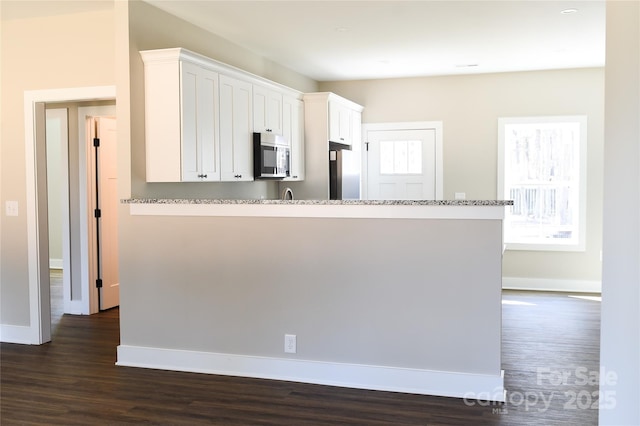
column 40, row 324
column 15, row 334
column 580, row 245
column 75, row 307
column 437, row 126
column 395, row 379
column 64, row 264
column 175, row 54
column 547, row 284
column 321, row 211
column 56, row 264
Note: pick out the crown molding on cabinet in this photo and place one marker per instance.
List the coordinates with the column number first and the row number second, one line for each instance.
column 182, row 54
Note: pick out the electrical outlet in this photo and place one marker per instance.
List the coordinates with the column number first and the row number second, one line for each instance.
column 12, row 208
column 290, row 343
column 460, row 195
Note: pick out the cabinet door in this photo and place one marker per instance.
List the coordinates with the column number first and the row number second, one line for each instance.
column 199, row 123
column 267, row 110
column 293, row 131
column 188, row 121
column 236, row 130
column 162, row 121
column 208, row 126
column 339, row 123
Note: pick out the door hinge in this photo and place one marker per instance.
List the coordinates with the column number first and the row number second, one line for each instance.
column 99, row 283
column 367, row 145
column 97, row 213
column 96, row 142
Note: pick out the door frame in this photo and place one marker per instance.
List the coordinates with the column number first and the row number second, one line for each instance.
column 409, row 125
column 36, row 203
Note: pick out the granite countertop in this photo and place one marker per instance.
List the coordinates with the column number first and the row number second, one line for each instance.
column 496, row 203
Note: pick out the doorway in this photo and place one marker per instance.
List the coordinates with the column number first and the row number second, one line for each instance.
column 402, row 161
column 37, row 203
column 82, row 180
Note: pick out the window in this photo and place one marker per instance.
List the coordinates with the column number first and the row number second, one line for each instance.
column 400, row 157
column 542, row 168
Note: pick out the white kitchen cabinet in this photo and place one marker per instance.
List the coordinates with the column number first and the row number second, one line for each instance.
column 236, row 129
column 340, row 122
column 200, row 118
column 267, row 110
column 317, row 129
column 181, row 121
column 199, row 114
column 293, row 131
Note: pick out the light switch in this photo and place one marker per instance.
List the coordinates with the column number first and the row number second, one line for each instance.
column 12, row 208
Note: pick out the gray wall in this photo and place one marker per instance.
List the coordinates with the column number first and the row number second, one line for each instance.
column 368, row 291
column 469, row 107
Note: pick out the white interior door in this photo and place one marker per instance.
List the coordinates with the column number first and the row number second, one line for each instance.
column 105, row 250
column 402, row 164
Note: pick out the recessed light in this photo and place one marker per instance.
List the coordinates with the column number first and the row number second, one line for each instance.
column 568, row 11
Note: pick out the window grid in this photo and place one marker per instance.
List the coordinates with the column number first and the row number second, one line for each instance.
column 541, row 172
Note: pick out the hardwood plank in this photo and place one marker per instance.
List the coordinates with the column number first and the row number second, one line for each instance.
column 74, row 381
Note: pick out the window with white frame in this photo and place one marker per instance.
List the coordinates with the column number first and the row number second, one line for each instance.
column 542, row 168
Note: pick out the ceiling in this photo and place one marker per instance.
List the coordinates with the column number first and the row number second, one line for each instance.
column 350, row 40
column 364, row 39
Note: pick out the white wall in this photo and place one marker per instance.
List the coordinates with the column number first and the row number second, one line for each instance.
column 620, row 327
column 469, row 107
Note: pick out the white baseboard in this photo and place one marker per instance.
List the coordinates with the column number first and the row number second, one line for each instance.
column 426, row 382
column 56, row 264
column 15, row 334
column 75, row 307
column 546, row 284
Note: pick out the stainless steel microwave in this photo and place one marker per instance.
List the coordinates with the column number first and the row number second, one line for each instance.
column 271, row 156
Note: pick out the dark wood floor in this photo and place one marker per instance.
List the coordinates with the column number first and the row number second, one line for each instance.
column 73, row 380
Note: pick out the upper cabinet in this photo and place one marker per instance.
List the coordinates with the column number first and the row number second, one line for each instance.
column 236, row 135
column 267, row 110
column 293, row 131
column 324, row 114
column 340, row 122
column 181, row 121
column 200, row 115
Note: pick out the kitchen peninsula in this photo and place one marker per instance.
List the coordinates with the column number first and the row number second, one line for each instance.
column 390, row 295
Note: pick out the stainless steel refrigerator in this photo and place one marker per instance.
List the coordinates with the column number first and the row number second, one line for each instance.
column 344, row 175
